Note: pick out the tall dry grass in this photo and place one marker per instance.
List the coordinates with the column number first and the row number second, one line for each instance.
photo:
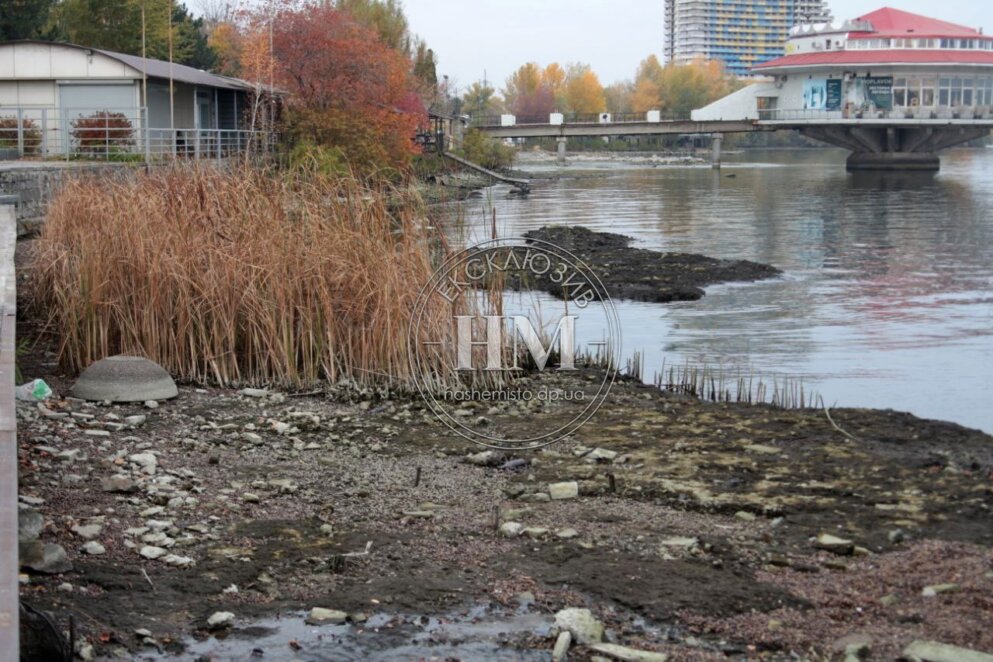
column 236, row 276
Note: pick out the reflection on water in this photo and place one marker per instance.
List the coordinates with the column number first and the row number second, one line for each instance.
column 887, row 298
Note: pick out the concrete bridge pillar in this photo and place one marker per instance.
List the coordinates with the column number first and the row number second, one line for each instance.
column 894, row 147
column 717, row 143
column 561, row 148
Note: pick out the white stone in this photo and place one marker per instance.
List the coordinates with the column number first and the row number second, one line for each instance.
column 582, row 624
column 625, row 654
column 562, row 643
column 322, row 616
column 932, row 651
column 152, row 552
column 568, row 490
column 93, row 548
column 511, row 529
column 220, row 619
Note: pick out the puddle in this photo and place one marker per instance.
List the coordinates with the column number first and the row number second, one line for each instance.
column 482, row 632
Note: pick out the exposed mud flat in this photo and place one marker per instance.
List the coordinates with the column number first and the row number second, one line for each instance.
column 703, row 549
column 643, row 275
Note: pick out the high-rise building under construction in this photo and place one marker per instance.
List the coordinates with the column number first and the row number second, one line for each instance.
column 739, row 33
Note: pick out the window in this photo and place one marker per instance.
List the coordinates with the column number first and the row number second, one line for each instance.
column 944, row 91
column 966, row 91
column 956, row 98
column 927, row 92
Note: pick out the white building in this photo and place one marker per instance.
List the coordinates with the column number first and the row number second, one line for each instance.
column 48, row 90
column 889, row 82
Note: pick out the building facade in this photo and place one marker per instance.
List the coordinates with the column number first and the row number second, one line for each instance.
column 891, row 86
column 739, row 33
column 58, row 98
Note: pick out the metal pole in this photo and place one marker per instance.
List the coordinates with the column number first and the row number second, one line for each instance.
column 20, row 132
column 9, row 561
column 148, row 137
column 44, row 132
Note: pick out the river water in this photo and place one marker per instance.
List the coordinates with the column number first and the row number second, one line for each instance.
column 887, row 296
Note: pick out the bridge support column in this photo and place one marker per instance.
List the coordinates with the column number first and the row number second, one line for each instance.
column 894, row 147
column 561, row 148
column 927, row 161
column 717, row 143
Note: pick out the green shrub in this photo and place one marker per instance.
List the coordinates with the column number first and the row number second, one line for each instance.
column 487, row 152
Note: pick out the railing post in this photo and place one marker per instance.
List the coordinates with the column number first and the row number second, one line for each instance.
column 44, row 132
column 9, row 561
column 196, row 143
column 218, row 145
column 148, row 132
column 20, row 132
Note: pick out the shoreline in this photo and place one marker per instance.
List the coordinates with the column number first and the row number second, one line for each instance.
column 712, row 541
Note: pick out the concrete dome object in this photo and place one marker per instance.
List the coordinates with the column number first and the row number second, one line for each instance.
column 125, row 379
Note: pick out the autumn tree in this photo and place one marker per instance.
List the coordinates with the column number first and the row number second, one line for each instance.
column 226, row 40
column 583, row 92
column 346, row 88
column 647, row 92
column 617, row 97
column 527, row 94
column 554, row 78
column 680, row 88
column 481, row 100
column 385, row 18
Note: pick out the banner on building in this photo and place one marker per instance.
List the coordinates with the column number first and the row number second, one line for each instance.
column 878, row 91
column 833, row 101
column 814, row 94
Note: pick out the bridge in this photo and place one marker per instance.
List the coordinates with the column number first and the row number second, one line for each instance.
column 877, row 141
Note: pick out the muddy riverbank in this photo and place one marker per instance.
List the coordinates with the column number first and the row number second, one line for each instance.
column 698, row 530
column 271, row 504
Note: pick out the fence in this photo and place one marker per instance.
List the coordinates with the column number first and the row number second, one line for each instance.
column 579, row 118
column 856, row 113
column 114, row 134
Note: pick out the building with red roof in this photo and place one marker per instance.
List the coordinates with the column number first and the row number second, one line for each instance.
column 891, row 73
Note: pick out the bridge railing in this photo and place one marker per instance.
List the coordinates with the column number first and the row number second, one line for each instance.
column 482, row 121
column 899, row 113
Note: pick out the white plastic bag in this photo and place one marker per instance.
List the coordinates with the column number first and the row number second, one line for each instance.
column 36, row 390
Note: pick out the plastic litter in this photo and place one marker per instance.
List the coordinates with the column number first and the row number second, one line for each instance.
column 36, row 390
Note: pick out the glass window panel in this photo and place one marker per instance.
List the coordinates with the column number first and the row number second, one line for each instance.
column 943, row 97
column 899, row 97
column 899, row 82
column 927, row 97
column 913, row 97
column 967, row 96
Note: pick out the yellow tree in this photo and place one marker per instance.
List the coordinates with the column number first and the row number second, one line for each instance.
column 227, row 42
column 583, row 91
column 526, row 93
column 647, row 92
column 554, row 78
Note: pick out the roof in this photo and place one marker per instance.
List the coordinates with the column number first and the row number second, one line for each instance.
column 877, row 57
column 889, row 22
column 178, row 72
column 155, row 68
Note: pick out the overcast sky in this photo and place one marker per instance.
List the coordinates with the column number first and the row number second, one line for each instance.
column 471, row 37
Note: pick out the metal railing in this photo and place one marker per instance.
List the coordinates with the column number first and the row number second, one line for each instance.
column 869, row 113
column 575, row 118
column 114, row 134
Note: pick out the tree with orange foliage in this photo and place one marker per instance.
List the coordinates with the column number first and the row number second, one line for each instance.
column 680, row 88
column 345, row 87
column 226, row 41
column 527, row 94
column 583, row 91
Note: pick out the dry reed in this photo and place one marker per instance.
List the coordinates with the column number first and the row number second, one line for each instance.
column 237, row 276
